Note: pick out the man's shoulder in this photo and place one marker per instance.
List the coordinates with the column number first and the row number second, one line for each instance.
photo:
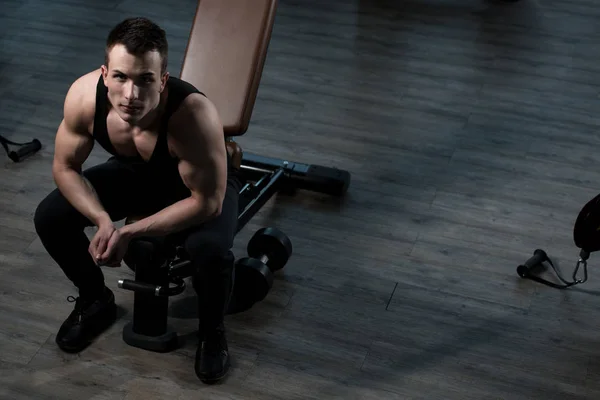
column 191, row 97
column 80, row 101
column 183, row 84
column 192, row 111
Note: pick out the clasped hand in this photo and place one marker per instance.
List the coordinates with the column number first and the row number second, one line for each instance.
column 108, row 246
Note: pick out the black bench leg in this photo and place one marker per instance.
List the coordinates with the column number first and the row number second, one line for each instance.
column 149, row 329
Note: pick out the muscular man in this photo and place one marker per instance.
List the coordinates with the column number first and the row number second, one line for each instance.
column 169, row 161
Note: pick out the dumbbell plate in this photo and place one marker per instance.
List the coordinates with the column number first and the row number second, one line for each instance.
column 253, row 280
column 273, row 243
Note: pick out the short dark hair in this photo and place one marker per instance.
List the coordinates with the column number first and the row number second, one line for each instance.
column 139, row 35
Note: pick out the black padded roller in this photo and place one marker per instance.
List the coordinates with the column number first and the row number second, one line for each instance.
column 139, row 287
column 147, row 288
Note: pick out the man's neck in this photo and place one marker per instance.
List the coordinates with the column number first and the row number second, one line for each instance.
column 151, row 119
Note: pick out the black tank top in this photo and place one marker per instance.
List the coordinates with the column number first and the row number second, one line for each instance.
column 178, row 91
column 161, row 165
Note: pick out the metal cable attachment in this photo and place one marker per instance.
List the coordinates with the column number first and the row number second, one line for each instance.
column 583, row 257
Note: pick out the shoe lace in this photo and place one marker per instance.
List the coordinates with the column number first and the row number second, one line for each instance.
column 79, row 307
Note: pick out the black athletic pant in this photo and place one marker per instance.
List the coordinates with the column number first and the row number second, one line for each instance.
column 127, row 189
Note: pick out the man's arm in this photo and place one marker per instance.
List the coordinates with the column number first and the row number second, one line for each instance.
column 199, row 143
column 73, row 145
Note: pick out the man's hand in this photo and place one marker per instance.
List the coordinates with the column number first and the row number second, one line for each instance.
column 99, row 242
column 115, row 249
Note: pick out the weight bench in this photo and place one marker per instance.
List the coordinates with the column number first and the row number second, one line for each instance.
column 224, row 59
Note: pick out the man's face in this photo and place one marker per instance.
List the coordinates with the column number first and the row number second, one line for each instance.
column 134, row 82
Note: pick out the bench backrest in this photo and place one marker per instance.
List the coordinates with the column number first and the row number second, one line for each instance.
column 226, row 53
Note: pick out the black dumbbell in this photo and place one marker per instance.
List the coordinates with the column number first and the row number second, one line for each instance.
column 270, row 247
column 268, row 251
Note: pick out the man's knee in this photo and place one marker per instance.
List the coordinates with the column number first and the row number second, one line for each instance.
column 53, row 212
column 208, row 249
column 45, row 217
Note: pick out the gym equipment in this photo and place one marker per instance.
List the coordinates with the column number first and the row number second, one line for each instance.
column 224, row 59
column 535, row 265
column 23, row 151
column 586, row 235
column 252, row 284
column 271, row 247
column 268, row 250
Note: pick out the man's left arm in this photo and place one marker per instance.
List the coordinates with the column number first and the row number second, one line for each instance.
column 197, row 137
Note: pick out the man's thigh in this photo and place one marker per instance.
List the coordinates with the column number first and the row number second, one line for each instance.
column 116, row 185
column 120, row 187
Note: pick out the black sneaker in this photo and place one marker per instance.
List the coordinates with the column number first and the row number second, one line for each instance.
column 86, row 321
column 212, row 357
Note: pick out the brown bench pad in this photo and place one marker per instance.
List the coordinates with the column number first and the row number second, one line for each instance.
column 226, row 53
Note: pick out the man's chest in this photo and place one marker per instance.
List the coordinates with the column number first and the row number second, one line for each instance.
column 131, row 142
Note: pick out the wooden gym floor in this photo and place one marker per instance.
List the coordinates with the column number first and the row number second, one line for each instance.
column 470, row 130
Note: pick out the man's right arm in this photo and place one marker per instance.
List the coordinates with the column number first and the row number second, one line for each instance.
column 73, row 145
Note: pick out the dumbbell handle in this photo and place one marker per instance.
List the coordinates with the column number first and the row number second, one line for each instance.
column 264, row 259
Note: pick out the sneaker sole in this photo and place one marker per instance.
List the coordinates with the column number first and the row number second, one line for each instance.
column 217, row 378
